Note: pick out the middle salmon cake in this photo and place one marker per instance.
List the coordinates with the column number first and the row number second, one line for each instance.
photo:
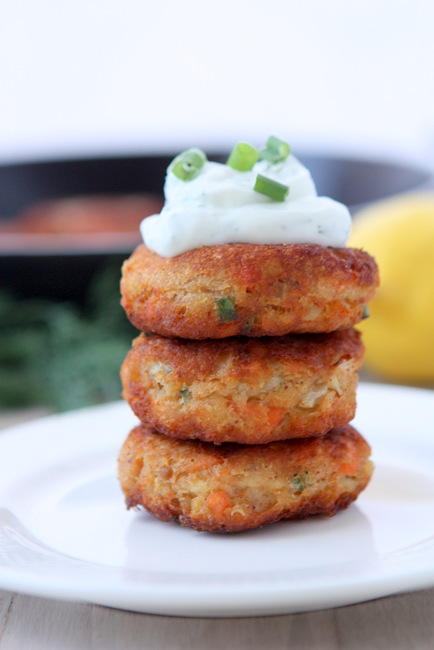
column 248, row 391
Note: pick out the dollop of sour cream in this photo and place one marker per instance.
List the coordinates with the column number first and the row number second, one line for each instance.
column 220, row 206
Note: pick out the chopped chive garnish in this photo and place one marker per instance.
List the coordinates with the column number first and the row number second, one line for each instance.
column 188, row 164
column 276, row 150
column 365, row 312
column 273, row 189
column 185, row 394
column 226, row 309
column 243, row 157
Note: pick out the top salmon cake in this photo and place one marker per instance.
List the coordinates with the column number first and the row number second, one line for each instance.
column 247, row 289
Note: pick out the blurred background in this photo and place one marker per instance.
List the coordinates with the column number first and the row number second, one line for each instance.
column 96, row 97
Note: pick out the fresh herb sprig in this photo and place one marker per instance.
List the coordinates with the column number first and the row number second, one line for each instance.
column 59, row 355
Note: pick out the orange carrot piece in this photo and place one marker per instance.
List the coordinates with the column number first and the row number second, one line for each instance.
column 217, row 502
column 275, row 415
column 268, row 417
column 350, row 468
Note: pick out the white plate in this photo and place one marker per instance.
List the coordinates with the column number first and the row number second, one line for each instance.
column 65, row 533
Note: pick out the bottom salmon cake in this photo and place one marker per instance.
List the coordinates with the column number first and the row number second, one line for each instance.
column 249, row 391
column 233, row 488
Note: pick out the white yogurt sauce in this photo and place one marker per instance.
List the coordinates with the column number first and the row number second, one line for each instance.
column 220, row 206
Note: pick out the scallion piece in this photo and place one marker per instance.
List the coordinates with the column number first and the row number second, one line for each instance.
column 271, row 188
column 226, row 309
column 276, row 150
column 243, row 157
column 188, row 164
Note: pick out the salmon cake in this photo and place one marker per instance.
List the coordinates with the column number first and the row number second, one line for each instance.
column 249, row 391
column 233, row 488
column 247, row 289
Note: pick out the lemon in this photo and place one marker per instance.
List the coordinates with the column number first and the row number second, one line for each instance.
column 399, row 335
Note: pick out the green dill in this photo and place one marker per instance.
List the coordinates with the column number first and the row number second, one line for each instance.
column 226, row 309
column 62, row 355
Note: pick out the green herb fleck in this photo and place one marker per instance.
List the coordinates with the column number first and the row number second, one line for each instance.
column 226, row 309
column 185, row 394
column 249, row 324
column 365, row 312
column 298, row 483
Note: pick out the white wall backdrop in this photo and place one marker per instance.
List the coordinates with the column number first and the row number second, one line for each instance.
column 96, row 76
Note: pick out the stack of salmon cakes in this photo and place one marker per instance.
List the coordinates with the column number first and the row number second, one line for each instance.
column 244, row 380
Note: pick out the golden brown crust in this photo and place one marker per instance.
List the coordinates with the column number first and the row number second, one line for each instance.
column 244, row 390
column 231, row 488
column 275, row 290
